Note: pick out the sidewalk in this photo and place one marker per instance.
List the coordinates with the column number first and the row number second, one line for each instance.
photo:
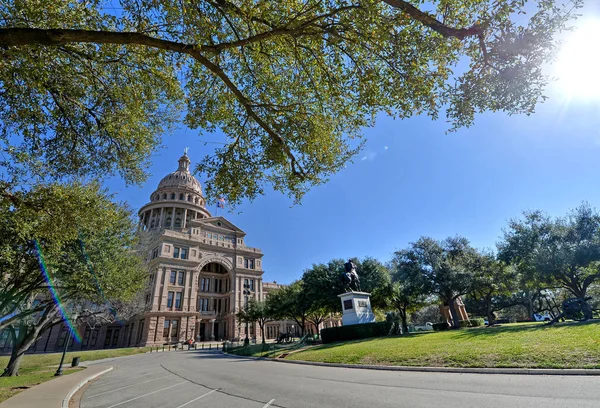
column 57, row 392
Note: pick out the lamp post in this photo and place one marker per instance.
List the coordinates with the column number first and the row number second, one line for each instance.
column 246, row 340
column 59, row 371
column 293, row 333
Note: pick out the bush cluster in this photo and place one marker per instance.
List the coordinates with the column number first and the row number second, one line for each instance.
column 440, row 326
column 355, row 331
column 476, row 322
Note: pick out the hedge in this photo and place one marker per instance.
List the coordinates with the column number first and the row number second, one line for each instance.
column 355, row 331
column 440, row 326
column 476, row 322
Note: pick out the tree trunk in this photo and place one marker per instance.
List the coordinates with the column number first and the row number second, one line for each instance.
column 490, row 315
column 262, row 332
column 21, row 344
column 404, row 320
column 454, row 313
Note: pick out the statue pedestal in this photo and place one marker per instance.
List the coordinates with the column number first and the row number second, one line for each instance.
column 357, row 308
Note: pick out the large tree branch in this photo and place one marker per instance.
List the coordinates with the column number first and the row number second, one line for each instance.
column 428, row 20
column 55, row 37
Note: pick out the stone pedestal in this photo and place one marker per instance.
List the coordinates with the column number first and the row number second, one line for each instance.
column 356, row 307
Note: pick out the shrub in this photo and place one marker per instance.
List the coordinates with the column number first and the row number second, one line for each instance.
column 465, row 323
column 354, row 332
column 440, row 326
column 478, row 321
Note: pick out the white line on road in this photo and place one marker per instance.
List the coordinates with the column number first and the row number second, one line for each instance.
column 145, row 395
column 268, row 404
column 196, row 399
column 129, row 386
column 101, row 384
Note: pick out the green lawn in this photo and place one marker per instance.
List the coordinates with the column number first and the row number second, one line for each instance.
column 530, row 345
column 36, row 368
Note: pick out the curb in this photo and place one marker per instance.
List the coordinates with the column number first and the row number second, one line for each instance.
column 455, row 370
column 67, row 398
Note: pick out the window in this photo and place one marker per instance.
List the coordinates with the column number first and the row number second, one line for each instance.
column 184, row 252
column 189, row 197
column 170, row 299
column 166, row 328
column 248, row 263
column 107, row 337
column 174, row 327
column 61, row 339
column 175, row 252
column 164, row 196
column 178, row 300
column 173, row 277
column 203, row 304
column 181, row 279
column 172, row 196
column 181, row 196
column 252, row 285
column 94, row 338
column 86, row 337
column 115, row 337
column 154, row 252
column 246, row 283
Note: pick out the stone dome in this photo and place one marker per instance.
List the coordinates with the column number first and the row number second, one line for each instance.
column 181, row 178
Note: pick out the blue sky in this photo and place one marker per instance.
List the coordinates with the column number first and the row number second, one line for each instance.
column 414, row 179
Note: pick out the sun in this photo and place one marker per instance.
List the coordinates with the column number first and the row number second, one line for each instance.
column 578, row 64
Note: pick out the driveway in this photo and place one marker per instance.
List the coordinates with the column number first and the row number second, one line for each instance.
column 209, row 379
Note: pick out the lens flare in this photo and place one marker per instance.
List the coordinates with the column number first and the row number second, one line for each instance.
column 54, row 293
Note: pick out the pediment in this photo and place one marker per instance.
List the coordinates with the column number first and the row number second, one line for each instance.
column 219, row 224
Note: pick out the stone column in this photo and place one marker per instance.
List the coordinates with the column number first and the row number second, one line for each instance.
column 164, row 291
column 161, row 220
column 184, row 224
column 173, row 218
column 212, row 329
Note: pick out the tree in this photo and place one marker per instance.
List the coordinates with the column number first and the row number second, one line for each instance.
column 291, row 302
column 563, row 251
column 289, row 84
column 404, row 293
column 63, row 246
column 492, row 278
column 261, row 312
column 441, row 268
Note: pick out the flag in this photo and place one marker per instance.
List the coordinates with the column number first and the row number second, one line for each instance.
column 221, row 203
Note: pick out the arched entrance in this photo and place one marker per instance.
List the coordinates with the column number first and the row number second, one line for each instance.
column 215, row 299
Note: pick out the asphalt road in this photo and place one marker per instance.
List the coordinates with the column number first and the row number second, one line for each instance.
column 208, row 379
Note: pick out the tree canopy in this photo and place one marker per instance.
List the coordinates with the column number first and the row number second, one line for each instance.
column 71, row 240
column 562, row 251
column 88, row 87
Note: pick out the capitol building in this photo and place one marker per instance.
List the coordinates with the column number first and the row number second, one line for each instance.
column 202, row 272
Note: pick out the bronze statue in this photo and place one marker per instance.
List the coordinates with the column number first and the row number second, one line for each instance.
column 350, row 278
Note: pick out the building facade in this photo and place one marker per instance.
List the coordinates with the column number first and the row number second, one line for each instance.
column 201, row 270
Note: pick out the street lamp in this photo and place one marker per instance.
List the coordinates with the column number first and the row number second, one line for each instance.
column 246, row 340
column 293, row 332
column 59, row 371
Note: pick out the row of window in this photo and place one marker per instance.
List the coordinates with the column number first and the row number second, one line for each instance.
column 182, row 197
column 219, row 305
column 177, row 278
column 248, row 263
column 178, row 296
column 170, row 328
column 220, row 284
column 180, row 252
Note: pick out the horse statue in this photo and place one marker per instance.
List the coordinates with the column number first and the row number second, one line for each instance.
column 349, row 277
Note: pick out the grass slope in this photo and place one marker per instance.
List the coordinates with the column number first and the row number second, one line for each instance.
column 37, row 368
column 530, row 345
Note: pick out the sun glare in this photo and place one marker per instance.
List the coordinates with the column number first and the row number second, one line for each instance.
column 578, row 65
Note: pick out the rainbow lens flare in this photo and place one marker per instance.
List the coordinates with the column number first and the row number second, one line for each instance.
column 54, row 293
